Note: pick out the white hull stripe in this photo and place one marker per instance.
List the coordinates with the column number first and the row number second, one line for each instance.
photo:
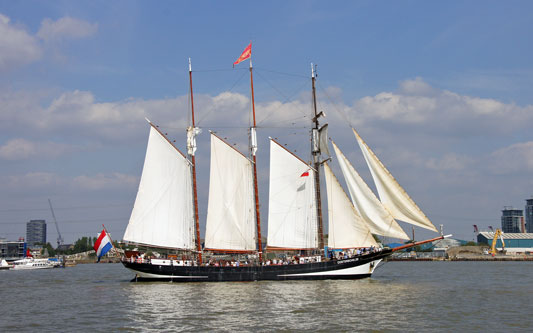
column 161, row 276
column 357, row 270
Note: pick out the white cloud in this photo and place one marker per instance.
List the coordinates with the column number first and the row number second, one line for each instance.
column 48, row 180
column 66, row 28
column 416, row 87
column 17, row 47
column 102, row 181
column 17, row 149
column 21, row 149
column 398, row 108
column 449, row 161
column 31, row 181
column 441, row 111
column 515, row 158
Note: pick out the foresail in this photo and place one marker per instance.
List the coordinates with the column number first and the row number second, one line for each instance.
column 231, row 208
column 163, row 214
column 391, row 194
column 292, row 219
column 377, row 217
column 346, row 227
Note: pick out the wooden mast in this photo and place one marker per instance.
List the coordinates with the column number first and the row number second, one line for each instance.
column 191, row 151
column 315, row 148
column 253, row 142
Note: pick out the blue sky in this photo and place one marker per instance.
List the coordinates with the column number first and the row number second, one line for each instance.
column 441, row 91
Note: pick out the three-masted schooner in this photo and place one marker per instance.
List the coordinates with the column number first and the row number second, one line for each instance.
column 165, row 213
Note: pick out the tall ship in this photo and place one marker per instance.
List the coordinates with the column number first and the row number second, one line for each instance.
column 165, row 221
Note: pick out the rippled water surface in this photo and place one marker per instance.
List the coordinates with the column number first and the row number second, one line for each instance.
column 401, row 296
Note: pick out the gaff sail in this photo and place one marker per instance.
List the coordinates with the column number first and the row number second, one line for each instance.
column 231, row 221
column 292, row 220
column 163, row 214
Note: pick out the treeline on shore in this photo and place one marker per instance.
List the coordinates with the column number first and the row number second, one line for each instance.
column 83, row 244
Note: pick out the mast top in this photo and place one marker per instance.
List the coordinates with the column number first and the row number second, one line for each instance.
column 190, row 67
column 312, row 70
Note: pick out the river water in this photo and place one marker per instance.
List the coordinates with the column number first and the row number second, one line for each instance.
column 400, row 297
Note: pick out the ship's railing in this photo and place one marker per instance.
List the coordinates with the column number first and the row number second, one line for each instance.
column 294, row 260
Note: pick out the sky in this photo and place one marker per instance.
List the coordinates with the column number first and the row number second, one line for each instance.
column 441, row 91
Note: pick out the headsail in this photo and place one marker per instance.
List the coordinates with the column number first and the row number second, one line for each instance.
column 292, row 220
column 378, row 218
column 346, row 227
column 391, row 194
column 163, row 211
column 230, row 212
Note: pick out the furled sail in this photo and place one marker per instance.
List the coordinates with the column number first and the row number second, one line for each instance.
column 292, row 219
column 347, row 229
column 163, row 214
column 231, row 209
column 377, row 217
column 391, row 194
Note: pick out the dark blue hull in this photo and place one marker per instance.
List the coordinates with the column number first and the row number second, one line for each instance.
column 353, row 268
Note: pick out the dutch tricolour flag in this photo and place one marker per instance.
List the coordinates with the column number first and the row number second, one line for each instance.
column 103, row 244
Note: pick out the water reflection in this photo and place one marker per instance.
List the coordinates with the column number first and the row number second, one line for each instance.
column 267, row 306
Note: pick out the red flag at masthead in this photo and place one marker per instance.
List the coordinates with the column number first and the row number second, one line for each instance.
column 247, row 53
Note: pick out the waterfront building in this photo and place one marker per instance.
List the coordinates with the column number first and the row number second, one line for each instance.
column 512, row 220
column 12, row 250
column 529, row 215
column 36, row 232
column 514, row 242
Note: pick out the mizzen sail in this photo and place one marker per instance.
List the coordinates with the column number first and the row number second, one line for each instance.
column 231, row 208
column 377, row 217
column 347, row 229
column 391, row 194
column 292, row 220
column 163, row 214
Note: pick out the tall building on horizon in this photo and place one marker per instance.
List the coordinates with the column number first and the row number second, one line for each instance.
column 35, row 232
column 512, row 220
column 529, row 215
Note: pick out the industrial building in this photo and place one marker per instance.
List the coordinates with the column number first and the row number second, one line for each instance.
column 515, row 243
column 36, row 232
column 11, row 250
column 512, row 220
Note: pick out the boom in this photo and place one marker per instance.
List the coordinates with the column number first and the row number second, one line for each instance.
column 497, row 234
column 59, row 238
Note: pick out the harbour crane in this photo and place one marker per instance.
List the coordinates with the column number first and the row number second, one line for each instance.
column 59, row 238
column 497, row 234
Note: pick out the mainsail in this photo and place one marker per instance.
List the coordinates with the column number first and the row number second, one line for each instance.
column 391, row 194
column 378, row 218
column 163, row 214
column 346, row 227
column 230, row 212
column 292, row 220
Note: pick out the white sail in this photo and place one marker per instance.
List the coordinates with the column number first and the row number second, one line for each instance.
column 163, row 214
column 391, row 194
column 231, row 221
column 378, row 218
column 292, row 216
column 347, row 229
